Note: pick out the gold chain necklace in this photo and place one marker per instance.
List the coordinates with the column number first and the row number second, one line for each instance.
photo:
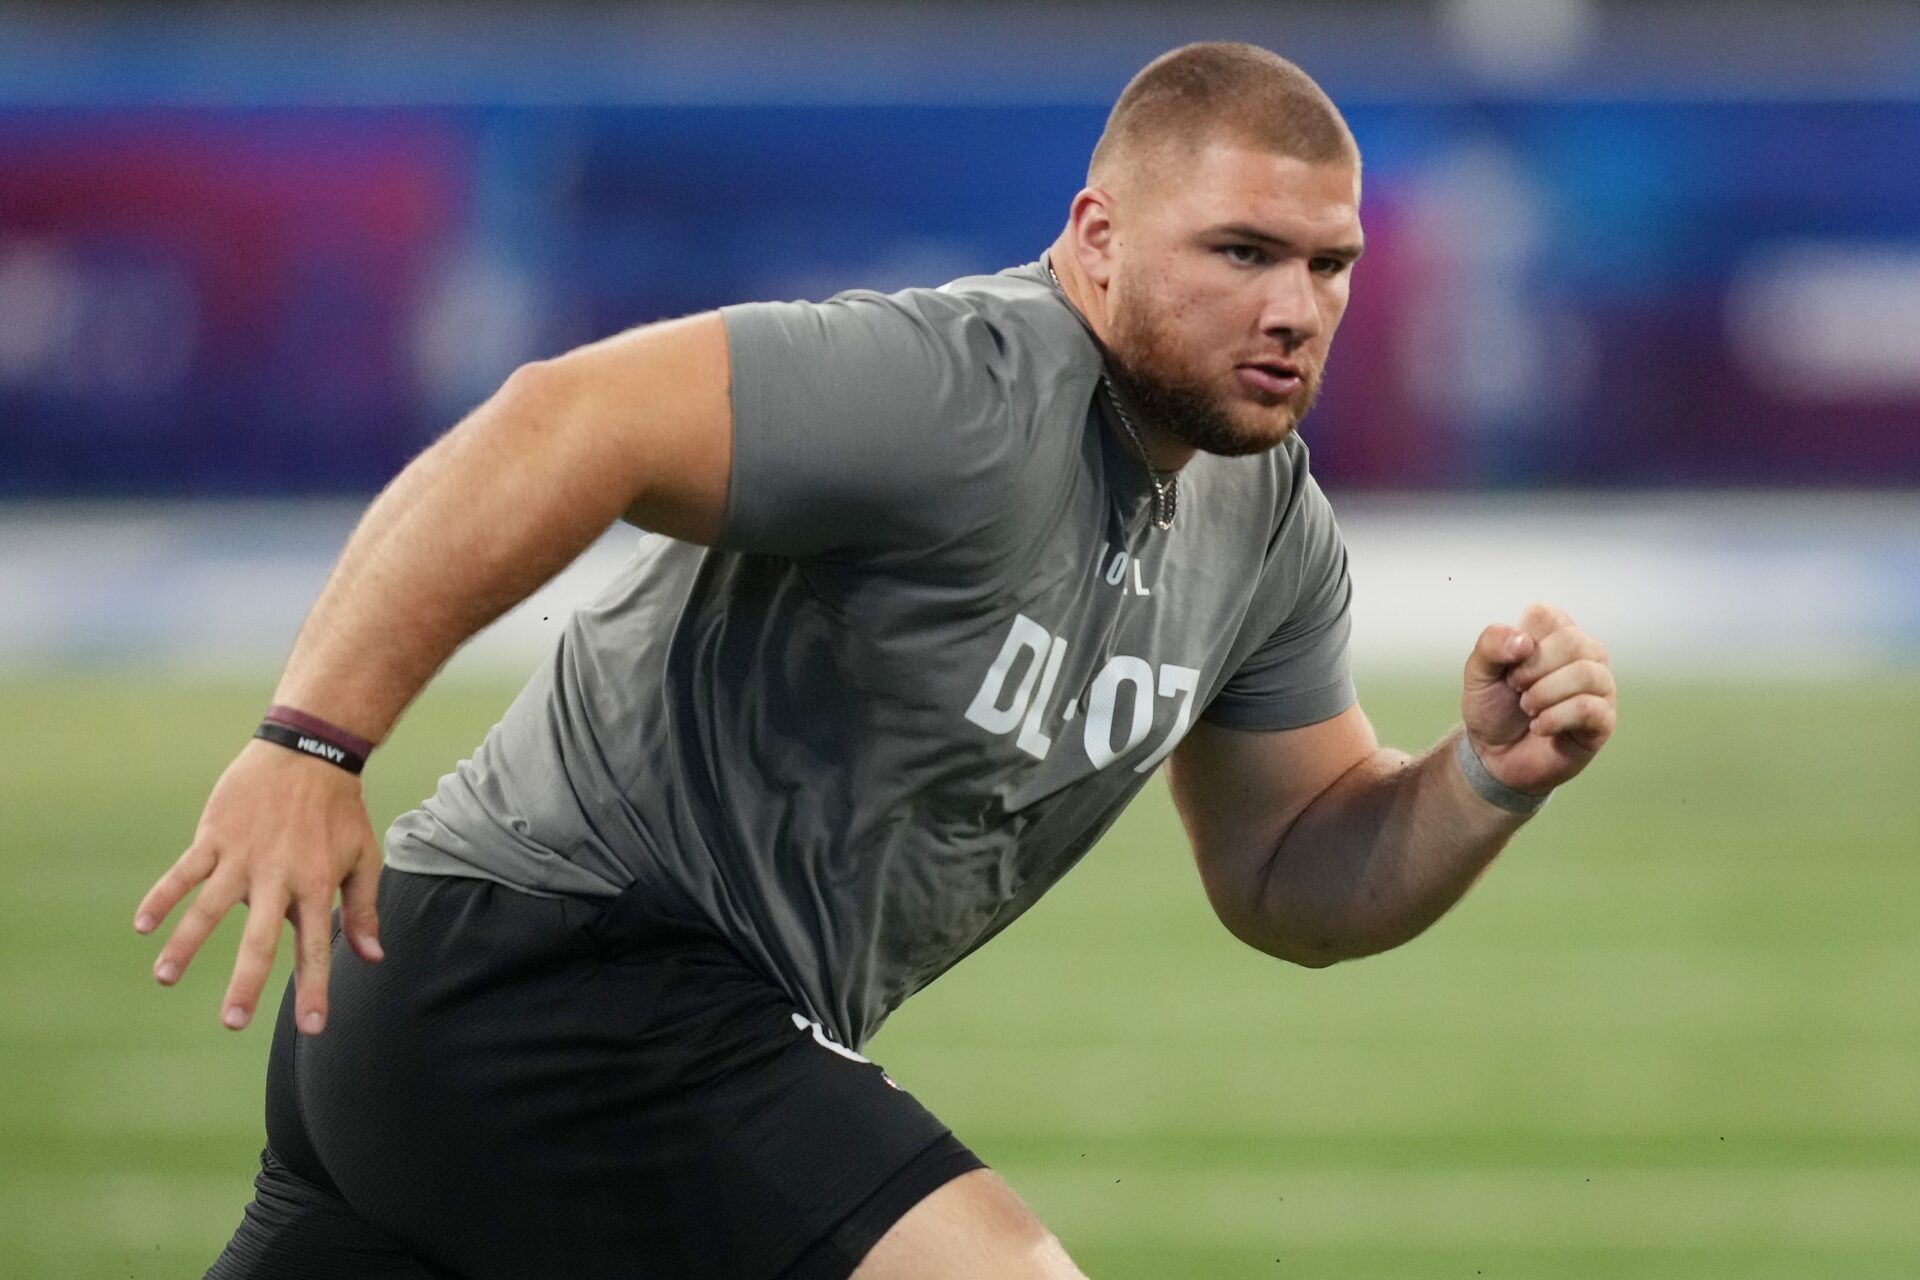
column 1166, row 485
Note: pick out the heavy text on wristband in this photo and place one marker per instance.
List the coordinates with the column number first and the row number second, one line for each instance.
column 312, row 736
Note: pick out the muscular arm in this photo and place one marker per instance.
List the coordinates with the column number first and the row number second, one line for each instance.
column 639, row 424
column 1368, row 862
column 1317, row 844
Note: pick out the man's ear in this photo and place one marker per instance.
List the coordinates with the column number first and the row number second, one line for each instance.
column 1091, row 227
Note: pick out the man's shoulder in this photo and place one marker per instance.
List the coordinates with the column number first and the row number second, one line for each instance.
column 1022, row 299
column 1013, row 320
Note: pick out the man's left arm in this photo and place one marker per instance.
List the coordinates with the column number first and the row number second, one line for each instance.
column 1316, row 844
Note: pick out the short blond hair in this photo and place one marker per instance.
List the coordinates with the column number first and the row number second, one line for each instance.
column 1194, row 94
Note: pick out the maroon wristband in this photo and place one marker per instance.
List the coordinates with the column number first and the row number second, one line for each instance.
column 308, row 744
column 318, row 728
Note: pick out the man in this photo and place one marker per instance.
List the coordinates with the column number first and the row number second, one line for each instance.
column 935, row 581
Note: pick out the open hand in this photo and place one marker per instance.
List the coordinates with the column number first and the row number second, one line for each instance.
column 1539, row 699
column 281, row 832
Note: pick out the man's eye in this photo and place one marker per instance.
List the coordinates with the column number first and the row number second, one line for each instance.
column 1329, row 266
column 1244, row 255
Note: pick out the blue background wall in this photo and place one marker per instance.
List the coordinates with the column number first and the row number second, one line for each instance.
column 250, row 259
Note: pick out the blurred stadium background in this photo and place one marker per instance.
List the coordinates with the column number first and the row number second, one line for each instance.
column 1638, row 330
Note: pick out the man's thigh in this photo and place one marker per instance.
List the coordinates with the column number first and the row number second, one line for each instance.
column 972, row 1226
column 508, row 1095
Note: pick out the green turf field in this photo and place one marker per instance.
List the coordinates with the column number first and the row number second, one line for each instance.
column 1676, row 1033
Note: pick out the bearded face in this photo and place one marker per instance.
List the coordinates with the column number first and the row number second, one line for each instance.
column 1192, row 396
column 1228, row 272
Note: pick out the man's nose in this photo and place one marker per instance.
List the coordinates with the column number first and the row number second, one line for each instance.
column 1292, row 312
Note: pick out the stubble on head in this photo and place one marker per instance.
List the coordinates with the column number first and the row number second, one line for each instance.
column 1162, row 124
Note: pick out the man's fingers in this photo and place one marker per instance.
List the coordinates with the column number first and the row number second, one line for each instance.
column 189, row 869
column 1542, row 620
column 1562, row 648
column 1587, row 717
column 313, row 928
column 266, row 912
column 1584, row 675
column 215, row 897
column 359, row 917
column 1498, row 648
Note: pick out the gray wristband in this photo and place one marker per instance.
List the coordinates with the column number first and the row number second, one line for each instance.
column 1490, row 788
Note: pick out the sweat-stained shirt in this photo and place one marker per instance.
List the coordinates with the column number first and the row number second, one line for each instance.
column 937, row 648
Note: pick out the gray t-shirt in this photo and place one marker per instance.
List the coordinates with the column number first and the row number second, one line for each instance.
column 936, row 650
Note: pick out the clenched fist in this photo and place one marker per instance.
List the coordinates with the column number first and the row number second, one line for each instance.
column 1539, row 699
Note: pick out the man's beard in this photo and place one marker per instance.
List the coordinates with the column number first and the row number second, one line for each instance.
column 1170, row 400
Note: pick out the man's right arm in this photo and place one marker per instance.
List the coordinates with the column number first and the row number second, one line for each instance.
column 636, row 425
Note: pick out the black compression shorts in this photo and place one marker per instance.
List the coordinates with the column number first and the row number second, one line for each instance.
column 529, row 1087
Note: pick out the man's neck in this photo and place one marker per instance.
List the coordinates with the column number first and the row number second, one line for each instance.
column 1083, row 295
column 1166, row 453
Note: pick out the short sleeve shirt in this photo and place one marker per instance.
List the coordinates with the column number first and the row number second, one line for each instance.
column 937, row 648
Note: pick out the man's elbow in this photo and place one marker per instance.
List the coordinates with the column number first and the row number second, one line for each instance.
column 536, row 389
column 1312, row 955
column 1314, row 959
column 1322, row 955
column 1299, row 928
column 1307, row 948
column 1312, row 940
column 1321, row 952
